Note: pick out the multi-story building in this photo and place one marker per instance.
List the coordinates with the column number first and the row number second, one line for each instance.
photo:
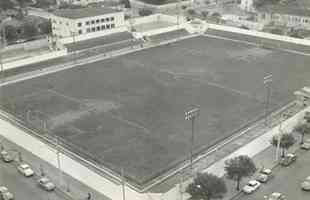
column 290, row 17
column 87, row 22
column 80, row 2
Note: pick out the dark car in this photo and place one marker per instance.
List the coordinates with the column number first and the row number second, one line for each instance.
column 288, row 159
column 5, row 156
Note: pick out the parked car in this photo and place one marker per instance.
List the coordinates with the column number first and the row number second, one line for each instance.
column 305, row 185
column 25, row 170
column 305, row 145
column 264, row 175
column 252, row 186
column 276, row 196
column 46, row 184
column 5, row 194
column 6, row 157
column 288, row 159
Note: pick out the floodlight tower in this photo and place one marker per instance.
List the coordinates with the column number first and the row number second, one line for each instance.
column 192, row 115
column 267, row 82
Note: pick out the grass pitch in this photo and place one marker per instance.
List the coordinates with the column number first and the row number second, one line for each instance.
column 128, row 111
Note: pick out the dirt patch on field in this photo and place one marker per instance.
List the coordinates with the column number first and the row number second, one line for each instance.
column 89, row 106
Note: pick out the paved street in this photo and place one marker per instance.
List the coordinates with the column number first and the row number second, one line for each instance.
column 22, row 187
column 286, row 181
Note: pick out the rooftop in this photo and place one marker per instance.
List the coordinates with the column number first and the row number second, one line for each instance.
column 84, row 12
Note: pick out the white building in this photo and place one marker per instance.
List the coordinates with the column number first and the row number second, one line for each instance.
column 80, row 2
column 247, row 5
column 290, row 17
column 86, row 23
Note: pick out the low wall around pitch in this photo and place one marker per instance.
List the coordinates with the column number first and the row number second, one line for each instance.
column 260, row 34
column 34, row 59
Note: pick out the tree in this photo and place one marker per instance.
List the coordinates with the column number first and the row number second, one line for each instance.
column 46, row 27
column 10, row 33
column 6, row 5
column 126, row 3
column 287, row 140
column 145, row 12
column 238, row 168
column 191, row 12
column 204, row 14
column 302, row 129
column 29, row 30
column 207, row 186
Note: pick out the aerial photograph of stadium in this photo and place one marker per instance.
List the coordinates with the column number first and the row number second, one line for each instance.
column 129, row 112
column 154, row 99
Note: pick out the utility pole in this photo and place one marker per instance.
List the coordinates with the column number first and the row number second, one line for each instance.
column 192, row 115
column 267, row 82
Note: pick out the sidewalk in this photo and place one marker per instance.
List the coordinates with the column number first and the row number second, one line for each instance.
column 69, row 186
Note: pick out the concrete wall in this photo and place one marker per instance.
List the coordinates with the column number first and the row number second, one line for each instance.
column 260, row 34
column 34, row 59
column 35, row 44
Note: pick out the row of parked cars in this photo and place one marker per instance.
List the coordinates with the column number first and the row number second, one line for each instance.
column 26, row 171
column 265, row 175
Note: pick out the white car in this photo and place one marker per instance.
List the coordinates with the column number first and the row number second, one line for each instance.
column 5, row 194
column 264, row 175
column 25, row 170
column 305, row 146
column 305, row 185
column 276, row 196
column 251, row 187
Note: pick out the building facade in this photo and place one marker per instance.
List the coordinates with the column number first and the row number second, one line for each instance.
column 247, row 5
column 80, row 2
column 286, row 17
column 86, row 21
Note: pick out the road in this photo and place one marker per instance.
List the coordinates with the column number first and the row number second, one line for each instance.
column 22, row 187
column 286, row 181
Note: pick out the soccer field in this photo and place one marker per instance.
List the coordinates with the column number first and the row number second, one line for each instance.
column 128, row 111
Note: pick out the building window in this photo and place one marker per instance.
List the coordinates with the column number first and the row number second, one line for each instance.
column 98, row 28
column 93, row 29
column 88, row 30
column 107, row 19
column 87, row 23
column 92, row 21
column 112, row 25
column 79, row 24
column 108, row 26
column 80, row 32
column 97, row 21
column 102, row 20
column 102, row 27
column 112, row 18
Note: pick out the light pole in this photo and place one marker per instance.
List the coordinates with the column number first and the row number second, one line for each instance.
column 74, row 53
column 3, row 44
column 279, row 136
column 192, row 115
column 58, row 161
column 123, row 184
column 267, row 82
